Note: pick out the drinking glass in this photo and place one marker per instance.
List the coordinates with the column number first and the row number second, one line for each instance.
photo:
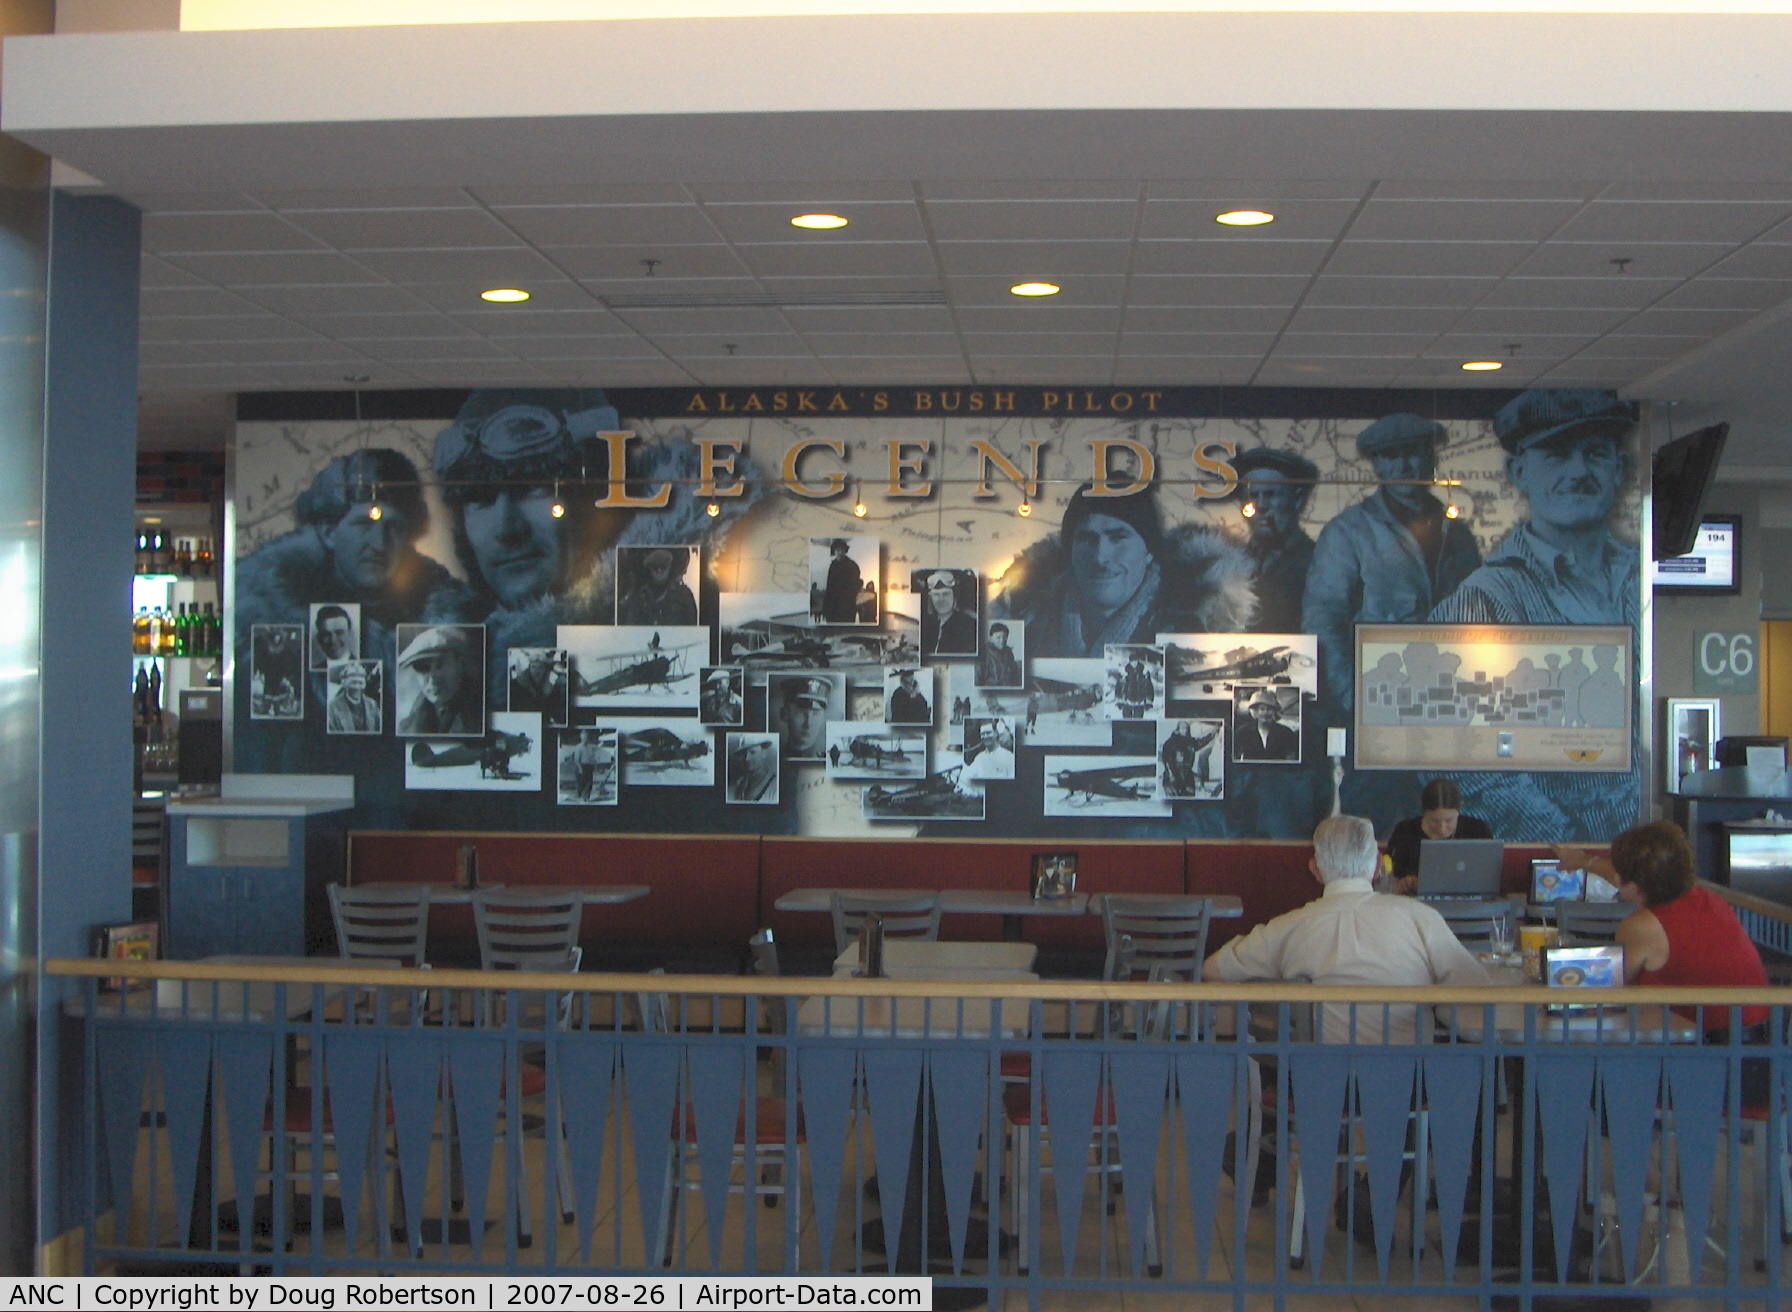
column 1500, row 936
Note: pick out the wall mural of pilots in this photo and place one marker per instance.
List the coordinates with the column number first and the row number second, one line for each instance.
column 1158, row 647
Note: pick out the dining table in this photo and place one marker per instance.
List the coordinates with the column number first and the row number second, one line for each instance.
column 1014, row 906
column 592, row 895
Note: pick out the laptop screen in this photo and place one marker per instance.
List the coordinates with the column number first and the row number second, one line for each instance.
column 1551, row 883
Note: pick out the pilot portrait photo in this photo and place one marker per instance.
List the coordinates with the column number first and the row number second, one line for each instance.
column 948, row 610
column 1266, row 725
column 753, row 769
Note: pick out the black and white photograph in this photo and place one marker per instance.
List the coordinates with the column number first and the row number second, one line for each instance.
column 798, row 708
column 633, row 666
column 948, row 599
column 1192, row 757
column 1208, row 666
column 865, row 749
column 335, row 632
column 988, row 748
column 586, row 772
column 507, row 759
column 357, row 698
column 664, row 752
column 719, row 701
column 968, row 700
column 1067, row 703
column 1003, row 659
column 657, row 585
column 844, row 579
column 539, row 681
column 942, row 795
column 1136, row 676
column 1102, row 786
column 754, row 628
column 441, row 681
column 277, row 672
column 908, row 695
column 752, row 769
column 1266, row 724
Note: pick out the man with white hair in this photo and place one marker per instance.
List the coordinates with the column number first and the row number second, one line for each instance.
column 1351, row 934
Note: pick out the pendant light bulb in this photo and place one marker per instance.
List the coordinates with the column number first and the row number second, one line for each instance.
column 859, row 508
column 1248, row 510
column 713, row 509
column 558, row 509
column 1024, row 509
column 373, row 507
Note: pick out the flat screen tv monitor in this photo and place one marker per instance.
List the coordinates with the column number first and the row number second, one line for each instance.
column 1713, row 565
column 1683, row 470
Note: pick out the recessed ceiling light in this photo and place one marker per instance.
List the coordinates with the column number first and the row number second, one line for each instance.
column 504, row 295
column 819, row 222
column 1481, row 366
column 1245, row 218
column 1035, row 289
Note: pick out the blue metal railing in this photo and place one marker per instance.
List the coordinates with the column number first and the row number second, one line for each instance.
column 1022, row 1137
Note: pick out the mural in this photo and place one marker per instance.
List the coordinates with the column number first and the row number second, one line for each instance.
column 1105, row 614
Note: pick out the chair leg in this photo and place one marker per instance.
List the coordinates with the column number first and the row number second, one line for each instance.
column 1297, row 1234
column 1020, row 1151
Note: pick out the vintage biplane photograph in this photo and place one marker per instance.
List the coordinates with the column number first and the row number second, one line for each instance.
column 587, row 769
column 940, row 796
column 664, row 753
column 1102, row 786
column 1209, row 666
column 628, row 665
column 1067, row 703
column 771, row 631
column 506, row 759
column 858, row 749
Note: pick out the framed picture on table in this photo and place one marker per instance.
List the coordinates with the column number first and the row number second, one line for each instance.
column 1693, row 728
column 1054, row 875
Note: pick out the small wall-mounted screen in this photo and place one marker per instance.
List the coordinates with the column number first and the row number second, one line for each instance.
column 1711, row 566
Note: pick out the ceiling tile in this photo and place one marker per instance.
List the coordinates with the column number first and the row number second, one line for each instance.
column 398, row 198
column 1029, row 189
column 463, row 298
column 684, row 265
column 1231, row 258
column 518, row 267
column 1164, row 290
column 839, row 259
column 375, row 299
column 944, row 373
column 195, row 202
column 735, row 373
column 1191, row 345
column 1057, row 344
column 1330, row 290
column 703, row 345
column 1686, row 322
column 255, row 231
column 1484, row 189
column 1058, row 220
column 1682, row 221
column 1038, row 318
column 153, row 355
column 267, row 328
column 1650, row 347
column 1757, row 261
column 1296, row 220
column 1518, row 324
column 1318, row 345
column 401, row 230
column 1727, row 294
column 408, row 350
column 1613, row 291
column 153, row 272
column 1460, row 220
column 1034, row 259
column 886, row 221
column 992, row 293
column 861, row 345
column 805, row 194
column 181, row 301
column 1490, row 346
column 722, row 319
column 615, row 346
column 522, row 320
column 295, row 268
column 311, row 351
column 1369, row 319
column 1580, row 259
column 1427, row 259
column 1341, row 372
column 1202, row 370
column 891, row 320
column 603, row 193
column 611, row 225
column 1210, row 319
column 368, row 327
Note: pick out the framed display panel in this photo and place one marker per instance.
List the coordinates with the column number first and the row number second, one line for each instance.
column 1493, row 697
column 1694, row 724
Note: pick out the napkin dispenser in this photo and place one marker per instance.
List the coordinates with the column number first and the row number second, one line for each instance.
column 871, row 946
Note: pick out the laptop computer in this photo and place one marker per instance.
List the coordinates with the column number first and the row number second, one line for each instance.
column 1551, row 884
column 1590, row 973
column 1460, row 868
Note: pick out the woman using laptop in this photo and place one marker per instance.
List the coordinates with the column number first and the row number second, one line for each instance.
column 1442, row 817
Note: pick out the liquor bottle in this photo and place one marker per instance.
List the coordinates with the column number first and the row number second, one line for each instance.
column 202, row 559
column 165, row 634
column 158, row 554
column 155, row 692
column 141, row 560
column 140, row 694
column 140, row 632
column 183, row 556
column 183, row 631
column 214, row 631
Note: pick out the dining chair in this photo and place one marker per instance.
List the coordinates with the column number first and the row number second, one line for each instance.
column 1473, row 920
column 375, row 921
column 1586, row 923
column 914, row 916
column 1152, row 1022
column 1168, row 932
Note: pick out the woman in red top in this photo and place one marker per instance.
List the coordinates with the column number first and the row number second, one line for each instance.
column 1683, row 934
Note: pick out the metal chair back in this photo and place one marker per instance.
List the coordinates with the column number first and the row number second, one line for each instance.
column 527, row 929
column 1585, row 923
column 1167, row 932
column 912, row 916
column 1473, row 921
column 381, row 921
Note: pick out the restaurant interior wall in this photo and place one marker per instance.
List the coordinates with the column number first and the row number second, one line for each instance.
column 758, row 569
column 1680, row 620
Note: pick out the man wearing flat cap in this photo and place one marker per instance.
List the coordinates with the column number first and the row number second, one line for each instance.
column 1566, row 452
column 351, row 709
column 1115, row 575
column 1276, row 487
column 803, row 715
column 441, row 666
column 948, row 599
column 1259, row 735
column 1388, row 559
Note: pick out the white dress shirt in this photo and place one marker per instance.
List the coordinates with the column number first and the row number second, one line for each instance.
column 1353, row 935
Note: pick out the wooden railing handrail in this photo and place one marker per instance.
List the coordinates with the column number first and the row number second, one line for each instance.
column 328, row 971
column 1759, row 905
